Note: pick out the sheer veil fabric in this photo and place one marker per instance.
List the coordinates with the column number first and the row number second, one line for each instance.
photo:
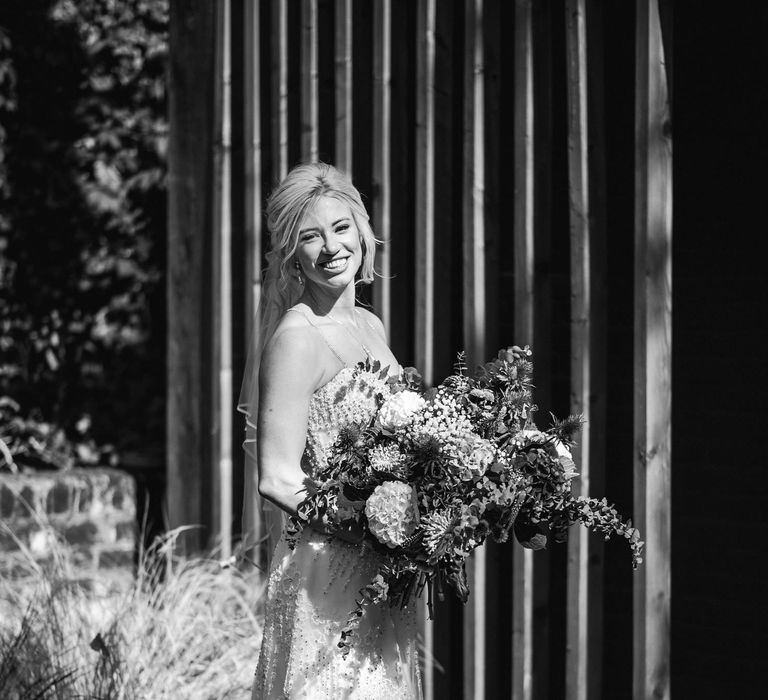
column 262, row 521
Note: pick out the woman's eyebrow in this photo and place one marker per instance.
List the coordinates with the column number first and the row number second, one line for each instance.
column 316, row 228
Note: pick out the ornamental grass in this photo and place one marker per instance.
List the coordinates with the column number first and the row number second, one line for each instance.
column 182, row 627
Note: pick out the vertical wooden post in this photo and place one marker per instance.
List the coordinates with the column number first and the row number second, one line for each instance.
column 252, row 523
column 190, row 232
column 425, row 189
column 221, row 352
column 653, row 356
column 582, row 678
column 279, row 89
column 474, row 309
column 382, row 153
column 522, row 577
column 310, row 107
column 425, row 230
column 343, row 52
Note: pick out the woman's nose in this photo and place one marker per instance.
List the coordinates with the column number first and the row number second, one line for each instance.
column 331, row 244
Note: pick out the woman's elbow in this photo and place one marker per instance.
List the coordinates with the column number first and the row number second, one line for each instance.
column 267, row 489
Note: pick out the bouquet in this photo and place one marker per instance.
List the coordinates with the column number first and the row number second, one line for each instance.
column 433, row 474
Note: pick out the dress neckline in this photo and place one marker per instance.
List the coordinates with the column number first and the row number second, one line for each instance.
column 352, row 368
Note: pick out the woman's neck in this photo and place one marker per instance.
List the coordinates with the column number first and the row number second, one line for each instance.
column 341, row 305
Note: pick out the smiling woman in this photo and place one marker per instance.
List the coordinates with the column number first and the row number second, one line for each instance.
column 312, row 338
column 329, row 248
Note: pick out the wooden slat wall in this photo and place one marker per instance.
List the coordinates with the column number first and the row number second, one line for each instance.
column 279, row 89
column 190, row 225
column 425, row 226
column 584, row 605
column 653, row 356
column 474, row 310
column 310, row 107
column 424, row 139
column 250, row 217
column 222, row 391
column 382, row 154
column 522, row 575
column 584, row 633
column 425, row 193
column 344, row 32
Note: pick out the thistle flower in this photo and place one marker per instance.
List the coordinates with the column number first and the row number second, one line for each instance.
column 438, row 532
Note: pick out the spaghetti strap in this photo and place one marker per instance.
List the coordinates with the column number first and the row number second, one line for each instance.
column 322, row 335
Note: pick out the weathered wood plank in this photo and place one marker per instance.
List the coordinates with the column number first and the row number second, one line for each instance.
column 221, row 308
column 425, row 190
column 474, row 309
column 584, row 603
column 343, row 43
column 252, row 525
column 279, row 89
column 522, row 577
column 653, row 356
column 190, row 222
column 382, row 155
column 582, row 633
column 310, row 101
column 425, row 230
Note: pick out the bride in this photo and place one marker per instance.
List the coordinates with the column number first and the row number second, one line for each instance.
column 312, row 338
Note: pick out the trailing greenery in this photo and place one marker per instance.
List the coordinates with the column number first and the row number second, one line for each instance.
column 83, row 138
column 183, row 628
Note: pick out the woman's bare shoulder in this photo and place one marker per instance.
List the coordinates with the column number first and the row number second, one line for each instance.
column 293, row 345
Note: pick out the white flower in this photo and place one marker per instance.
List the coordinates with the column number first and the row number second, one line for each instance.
column 533, row 435
column 475, row 455
column 399, row 410
column 566, row 460
column 392, row 513
column 386, row 458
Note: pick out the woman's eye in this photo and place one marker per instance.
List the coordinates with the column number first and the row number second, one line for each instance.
column 343, row 227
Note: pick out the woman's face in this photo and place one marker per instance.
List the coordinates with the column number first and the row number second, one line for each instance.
column 329, row 249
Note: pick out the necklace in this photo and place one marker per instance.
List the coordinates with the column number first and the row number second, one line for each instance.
column 352, row 335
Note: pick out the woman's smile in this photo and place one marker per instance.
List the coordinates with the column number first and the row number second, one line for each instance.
column 335, row 265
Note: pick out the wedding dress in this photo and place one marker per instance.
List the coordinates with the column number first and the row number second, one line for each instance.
column 312, row 590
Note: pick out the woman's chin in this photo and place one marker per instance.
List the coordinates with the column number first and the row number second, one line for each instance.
column 340, row 280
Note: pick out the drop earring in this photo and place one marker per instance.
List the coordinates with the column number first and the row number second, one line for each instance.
column 299, row 276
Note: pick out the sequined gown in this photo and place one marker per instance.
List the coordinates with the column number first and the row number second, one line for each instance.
column 312, row 590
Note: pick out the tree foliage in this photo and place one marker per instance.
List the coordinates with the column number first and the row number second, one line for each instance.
column 83, row 139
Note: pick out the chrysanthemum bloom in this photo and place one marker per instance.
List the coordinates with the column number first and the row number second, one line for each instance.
column 386, row 458
column 399, row 410
column 392, row 513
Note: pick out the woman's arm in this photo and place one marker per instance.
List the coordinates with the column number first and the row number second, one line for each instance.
column 289, row 375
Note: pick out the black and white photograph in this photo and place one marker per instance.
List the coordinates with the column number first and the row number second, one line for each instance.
column 383, row 350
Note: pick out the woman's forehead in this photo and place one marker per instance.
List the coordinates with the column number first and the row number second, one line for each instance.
column 326, row 212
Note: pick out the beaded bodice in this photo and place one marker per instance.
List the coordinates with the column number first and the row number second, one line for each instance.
column 350, row 396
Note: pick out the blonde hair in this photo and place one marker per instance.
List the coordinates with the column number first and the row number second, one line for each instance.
column 287, row 206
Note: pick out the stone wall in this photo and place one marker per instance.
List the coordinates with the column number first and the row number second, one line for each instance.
column 93, row 510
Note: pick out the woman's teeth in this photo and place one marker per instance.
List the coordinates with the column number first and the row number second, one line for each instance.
column 335, row 264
